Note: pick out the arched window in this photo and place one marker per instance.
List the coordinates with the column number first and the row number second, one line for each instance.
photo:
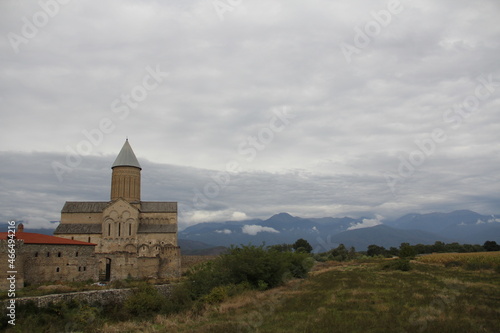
column 109, row 229
column 57, row 270
column 36, row 254
column 119, row 229
column 59, row 254
column 130, row 229
column 48, row 254
column 76, row 254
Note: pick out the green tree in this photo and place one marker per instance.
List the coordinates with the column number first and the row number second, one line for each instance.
column 421, row 248
column 340, row 253
column 281, row 247
column 375, row 250
column 352, row 253
column 406, row 251
column 301, row 245
column 394, row 251
column 438, row 247
column 491, row 246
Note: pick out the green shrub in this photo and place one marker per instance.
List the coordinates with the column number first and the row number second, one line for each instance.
column 340, row 253
column 254, row 266
column 144, row 301
column 255, row 263
column 398, row 264
column 320, row 257
column 180, row 299
column 216, row 295
column 202, row 278
column 261, row 285
column 300, row 265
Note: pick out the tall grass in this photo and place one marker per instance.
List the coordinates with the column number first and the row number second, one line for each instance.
column 471, row 261
column 353, row 298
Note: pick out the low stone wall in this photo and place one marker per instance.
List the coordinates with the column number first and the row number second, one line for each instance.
column 104, row 297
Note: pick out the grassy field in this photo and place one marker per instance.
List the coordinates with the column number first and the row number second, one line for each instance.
column 473, row 261
column 354, row 297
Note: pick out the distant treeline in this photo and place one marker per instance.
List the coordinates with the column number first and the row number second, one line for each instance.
column 405, row 250
column 437, row 247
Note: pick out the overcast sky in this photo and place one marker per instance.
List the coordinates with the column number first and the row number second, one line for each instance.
column 245, row 108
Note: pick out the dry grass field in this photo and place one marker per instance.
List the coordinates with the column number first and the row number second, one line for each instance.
column 451, row 293
column 476, row 260
column 353, row 297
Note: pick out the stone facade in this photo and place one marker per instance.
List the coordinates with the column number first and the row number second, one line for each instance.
column 134, row 238
column 39, row 260
column 48, row 262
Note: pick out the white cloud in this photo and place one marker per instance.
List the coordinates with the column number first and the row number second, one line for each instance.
column 191, row 217
column 226, row 78
column 492, row 220
column 224, row 231
column 255, row 229
column 367, row 223
column 239, row 216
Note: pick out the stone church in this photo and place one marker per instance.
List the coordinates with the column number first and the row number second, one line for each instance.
column 134, row 238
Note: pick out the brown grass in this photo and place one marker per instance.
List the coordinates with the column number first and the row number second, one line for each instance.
column 355, row 298
column 491, row 258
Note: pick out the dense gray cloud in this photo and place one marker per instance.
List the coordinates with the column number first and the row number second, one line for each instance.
column 408, row 122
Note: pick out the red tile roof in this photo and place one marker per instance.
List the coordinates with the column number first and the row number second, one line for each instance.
column 33, row 238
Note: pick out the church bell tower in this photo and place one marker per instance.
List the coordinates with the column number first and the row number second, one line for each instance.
column 126, row 176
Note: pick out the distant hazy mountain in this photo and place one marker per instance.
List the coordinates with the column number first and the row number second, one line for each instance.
column 386, row 236
column 189, row 247
column 462, row 226
column 437, row 222
column 324, row 233
column 278, row 229
column 193, row 245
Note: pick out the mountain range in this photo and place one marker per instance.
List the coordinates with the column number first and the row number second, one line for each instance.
column 463, row 226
